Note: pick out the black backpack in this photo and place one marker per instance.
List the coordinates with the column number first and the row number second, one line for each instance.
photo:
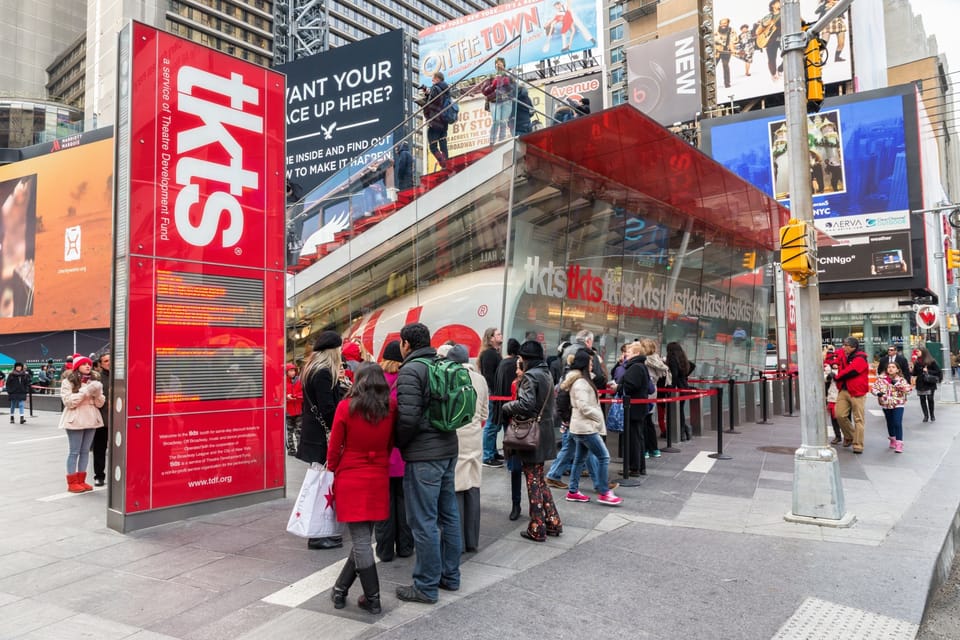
column 564, row 407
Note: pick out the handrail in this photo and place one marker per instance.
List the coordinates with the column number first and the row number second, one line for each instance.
column 411, row 118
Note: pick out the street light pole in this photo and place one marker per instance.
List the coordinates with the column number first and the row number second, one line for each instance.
column 817, row 490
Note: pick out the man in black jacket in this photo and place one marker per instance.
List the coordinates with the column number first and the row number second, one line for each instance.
column 102, row 435
column 893, row 355
column 428, row 482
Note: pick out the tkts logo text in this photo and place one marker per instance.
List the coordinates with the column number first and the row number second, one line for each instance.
column 209, row 158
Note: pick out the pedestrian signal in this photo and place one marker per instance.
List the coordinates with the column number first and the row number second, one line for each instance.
column 750, row 260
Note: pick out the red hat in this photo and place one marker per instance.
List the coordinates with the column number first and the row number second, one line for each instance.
column 351, row 351
column 79, row 360
column 290, row 367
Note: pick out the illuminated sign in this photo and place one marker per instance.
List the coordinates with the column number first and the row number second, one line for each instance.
column 198, row 323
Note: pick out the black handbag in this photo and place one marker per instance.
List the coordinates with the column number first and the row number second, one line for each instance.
column 524, row 435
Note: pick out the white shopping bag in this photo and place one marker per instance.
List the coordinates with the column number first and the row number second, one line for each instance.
column 314, row 514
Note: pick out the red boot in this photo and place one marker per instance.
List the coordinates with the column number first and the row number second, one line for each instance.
column 72, row 485
column 82, row 481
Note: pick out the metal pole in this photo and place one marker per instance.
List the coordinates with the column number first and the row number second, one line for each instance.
column 719, row 455
column 734, row 404
column 817, row 490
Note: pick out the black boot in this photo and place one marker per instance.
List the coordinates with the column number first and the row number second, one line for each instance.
column 370, row 600
column 330, row 542
column 515, row 511
column 23, row 420
column 340, row 588
column 687, row 431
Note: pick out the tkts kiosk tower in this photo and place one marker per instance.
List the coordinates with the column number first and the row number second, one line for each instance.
column 198, row 313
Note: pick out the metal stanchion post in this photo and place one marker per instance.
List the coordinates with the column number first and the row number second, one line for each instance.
column 734, row 405
column 719, row 455
column 671, row 409
column 764, row 400
column 29, row 400
column 625, row 481
column 749, row 402
column 790, row 379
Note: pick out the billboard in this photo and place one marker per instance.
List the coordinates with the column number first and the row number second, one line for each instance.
column 860, row 157
column 663, row 77
column 546, row 28
column 747, row 47
column 340, row 103
column 199, row 278
column 55, row 228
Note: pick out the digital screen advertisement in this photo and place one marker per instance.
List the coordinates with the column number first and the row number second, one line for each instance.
column 340, row 103
column 55, row 239
column 747, row 47
column 198, row 331
column 663, row 77
column 859, row 157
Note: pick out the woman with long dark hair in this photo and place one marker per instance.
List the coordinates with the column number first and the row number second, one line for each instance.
column 926, row 376
column 322, row 390
column 360, row 444
column 680, row 368
column 82, row 395
column 393, row 534
column 535, row 397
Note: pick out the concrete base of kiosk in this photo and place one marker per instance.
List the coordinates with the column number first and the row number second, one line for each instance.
column 127, row 522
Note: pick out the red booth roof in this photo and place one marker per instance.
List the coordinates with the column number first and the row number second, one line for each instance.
column 629, row 152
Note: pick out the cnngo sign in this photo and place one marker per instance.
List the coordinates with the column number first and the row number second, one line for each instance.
column 191, row 171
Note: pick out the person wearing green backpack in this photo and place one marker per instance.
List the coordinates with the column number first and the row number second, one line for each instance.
column 430, row 455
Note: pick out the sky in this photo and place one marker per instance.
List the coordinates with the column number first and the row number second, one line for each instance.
column 940, row 18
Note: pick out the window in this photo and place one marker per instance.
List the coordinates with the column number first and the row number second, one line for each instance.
column 617, row 75
column 616, row 33
column 616, row 11
column 616, row 55
column 619, row 96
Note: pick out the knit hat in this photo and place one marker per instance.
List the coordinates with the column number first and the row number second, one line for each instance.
column 351, row 352
column 290, row 367
column 68, row 363
column 327, row 340
column 80, row 360
column 531, row 350
column 392, row 351
column 581, row 360
column 443, row 350
column 458, row 353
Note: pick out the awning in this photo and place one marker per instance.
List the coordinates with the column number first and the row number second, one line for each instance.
column 629, row 156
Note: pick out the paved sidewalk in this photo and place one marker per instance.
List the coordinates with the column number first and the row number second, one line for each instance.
column 699, row 550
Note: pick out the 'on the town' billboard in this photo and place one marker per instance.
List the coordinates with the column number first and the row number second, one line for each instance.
column 663, row 77
column 546, row 29
column 748, row 54
column 864, row 170
column 197, row 338
column 340, row 103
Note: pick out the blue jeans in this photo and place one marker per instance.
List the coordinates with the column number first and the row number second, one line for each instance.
column 79, row 442
column 583, row 445
column 14, row 404
column 894, row 418
column 434, row 519
column 564, row 461
column 500, row 113
column 490, row 433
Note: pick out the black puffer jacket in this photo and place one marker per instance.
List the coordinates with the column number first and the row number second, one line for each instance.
column 535, row 388
column 416, row 439
column 636, row 384
column 318, row 389
column 18, row 385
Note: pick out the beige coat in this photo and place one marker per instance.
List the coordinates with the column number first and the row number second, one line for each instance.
column 470, row 437
column 81, row 410
column 657, row 369
column 586, row 416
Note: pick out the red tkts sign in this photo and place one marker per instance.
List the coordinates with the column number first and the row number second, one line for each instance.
column 199, row 276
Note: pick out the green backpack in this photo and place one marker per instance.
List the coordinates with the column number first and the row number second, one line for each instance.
column 453, row 399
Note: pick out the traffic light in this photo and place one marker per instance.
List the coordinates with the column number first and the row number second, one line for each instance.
column 953, row 258
column 797, row 243
column 750, row 260
column 814, row 62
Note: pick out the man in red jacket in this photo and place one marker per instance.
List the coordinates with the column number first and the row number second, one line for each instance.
column 852, row 382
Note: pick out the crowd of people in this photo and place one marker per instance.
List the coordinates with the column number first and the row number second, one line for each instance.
column 405, row 485
column 846, row 374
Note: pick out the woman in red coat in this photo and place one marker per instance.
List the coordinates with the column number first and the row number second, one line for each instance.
column 358, row 456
